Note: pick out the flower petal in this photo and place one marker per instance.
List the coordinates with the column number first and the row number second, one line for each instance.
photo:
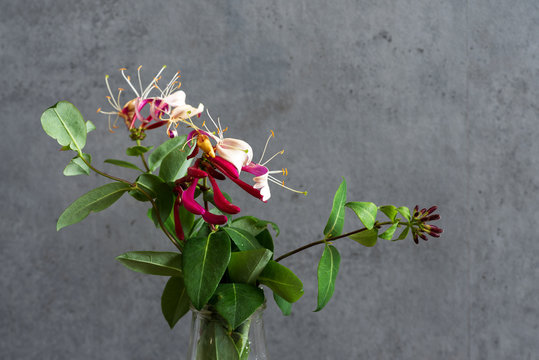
column 255, row 169
column 225, row 167
column 238, row 152
column 189, row 202
column 214, row 219
column 177, row 98
column 221, row 201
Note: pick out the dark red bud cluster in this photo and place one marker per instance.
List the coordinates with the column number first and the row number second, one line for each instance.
column 420, row 228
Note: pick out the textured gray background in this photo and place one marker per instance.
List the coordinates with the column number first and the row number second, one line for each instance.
column 429, row 102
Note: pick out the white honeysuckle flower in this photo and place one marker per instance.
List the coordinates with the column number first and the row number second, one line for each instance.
column 235, row 151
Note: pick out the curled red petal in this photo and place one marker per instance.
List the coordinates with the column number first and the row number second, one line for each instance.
column 189, row 202
column 225, row 167
column 193, row 153
column 221, row 201
column 214, row 219
column 196, row 173
column 156, row 125
column 214, row 173
column 251, row 190
column 141, row 106
column 177, row 220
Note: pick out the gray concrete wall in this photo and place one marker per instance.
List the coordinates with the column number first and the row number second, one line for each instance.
column 429, row 102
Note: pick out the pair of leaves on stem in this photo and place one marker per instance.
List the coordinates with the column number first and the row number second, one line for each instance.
column 328, row 267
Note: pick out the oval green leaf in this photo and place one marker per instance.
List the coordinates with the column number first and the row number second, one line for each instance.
column 365, row 211
column 285, row 306
column 390, row 211
column 366, row 238
column 93, row 201
column 246, row 266
column 205, row 260
column 336, row 217
column 162, row 263
column 243, row 239
column 162, row 151
column 404, row 211
column 282, row 281
column 237, row 302
column 175, row 164
column 254, row 225
column 388, row 234
column 137, row 150
column 77, row 166
column 265, row 239
column 64, row 122
column 174, row 301
column 328, row 268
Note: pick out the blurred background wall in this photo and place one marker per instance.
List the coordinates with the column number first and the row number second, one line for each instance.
column 427, row 102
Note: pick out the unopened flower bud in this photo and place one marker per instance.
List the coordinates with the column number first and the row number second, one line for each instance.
column 431, row 218
column 423, row 236
column 431, row 210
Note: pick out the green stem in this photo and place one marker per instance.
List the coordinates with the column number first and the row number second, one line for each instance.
column 323, row 241
column 136, row 187
column 144, row 159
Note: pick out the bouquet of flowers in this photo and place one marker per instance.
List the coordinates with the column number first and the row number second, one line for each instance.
column 222, row 260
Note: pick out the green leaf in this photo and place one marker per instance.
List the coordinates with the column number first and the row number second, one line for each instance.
column 137, row 150
column 328, row 268
column 405, row 212
column 158, row 189
column 90, row 126
column 243, row 239
column 366, row 238
column 216, row 344
column 163, row 150
column 152, row 185
column 174, row 165
column 388, row 234
column 64, row 122
column 93, row 201
column 265, row 239
column 390, row 211
column 336, row 217
column 246, row 266
column 254, row 225
column 237, row 302
column 285, row 306
column 205, row 262
column 404, row 233
column 78, row 167
column 122, row 163
column 153, row 262
column 200, row 228
column 365, row 211
column 282, row 281
column 174, row 301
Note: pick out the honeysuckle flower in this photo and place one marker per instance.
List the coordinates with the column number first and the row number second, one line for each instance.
column 130, row 112
column 171, row 102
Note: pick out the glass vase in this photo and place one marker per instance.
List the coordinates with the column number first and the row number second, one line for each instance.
column 211, row 339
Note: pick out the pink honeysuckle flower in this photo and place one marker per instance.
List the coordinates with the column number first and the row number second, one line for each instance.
column 130, row 112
